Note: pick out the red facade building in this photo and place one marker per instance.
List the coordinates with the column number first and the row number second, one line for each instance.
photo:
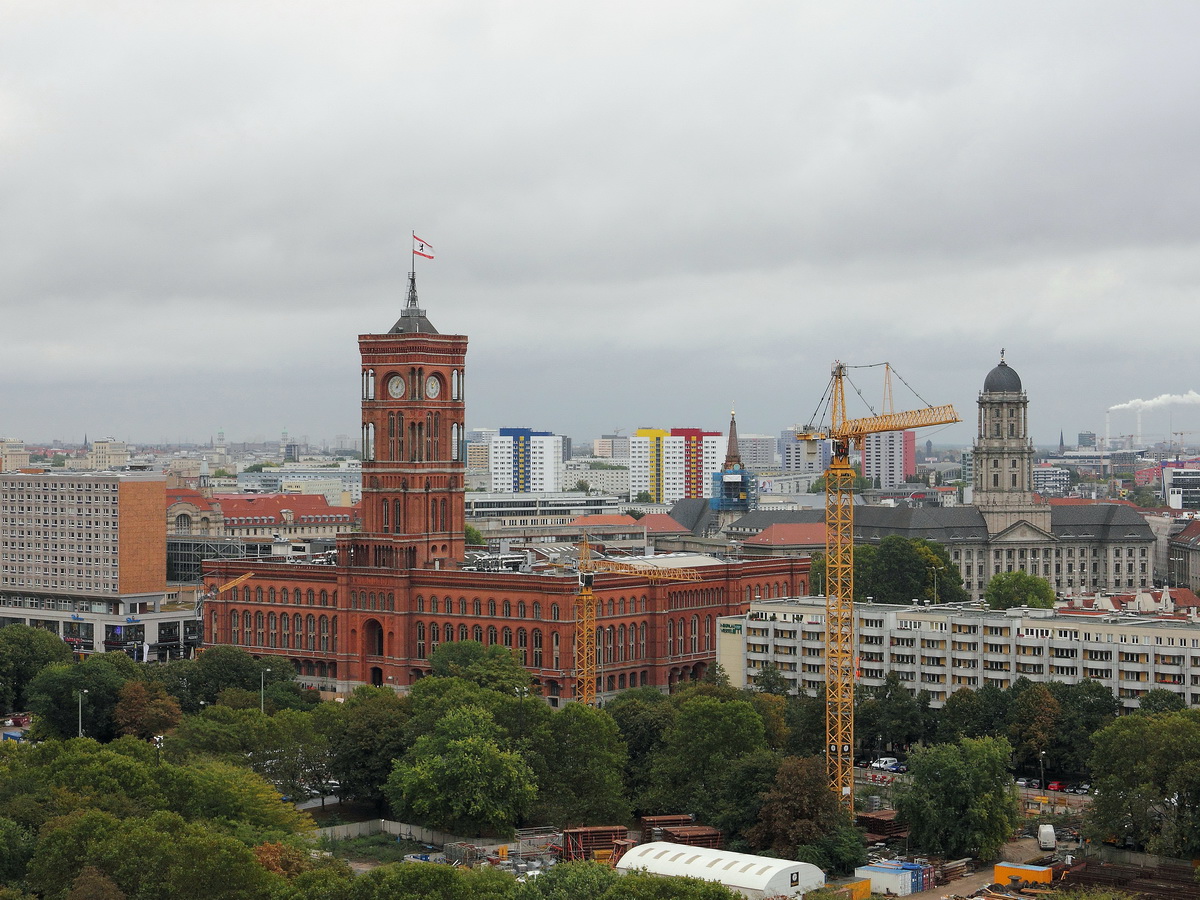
column 398, row 590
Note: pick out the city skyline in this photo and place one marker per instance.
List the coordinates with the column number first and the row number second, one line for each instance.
column 640, row 216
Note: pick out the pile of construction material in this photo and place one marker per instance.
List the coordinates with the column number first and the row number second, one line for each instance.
column 898, row 878
column 881, row 826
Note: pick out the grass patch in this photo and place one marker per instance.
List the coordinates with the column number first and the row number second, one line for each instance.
column 343, row 813
column 383, row 848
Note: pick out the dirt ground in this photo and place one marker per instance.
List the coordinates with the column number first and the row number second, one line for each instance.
column 1021, row 850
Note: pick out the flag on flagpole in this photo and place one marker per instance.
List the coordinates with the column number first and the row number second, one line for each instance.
column 422, row 248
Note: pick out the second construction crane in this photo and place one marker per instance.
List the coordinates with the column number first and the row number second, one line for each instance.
column 845, row 435
column 586, row 668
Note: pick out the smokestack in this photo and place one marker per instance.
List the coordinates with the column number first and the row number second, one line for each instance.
column 1138, row 439
column 1107, row 427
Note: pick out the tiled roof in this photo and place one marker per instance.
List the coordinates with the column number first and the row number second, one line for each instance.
column 661, row 523
column 789, row 534
column 267, row 509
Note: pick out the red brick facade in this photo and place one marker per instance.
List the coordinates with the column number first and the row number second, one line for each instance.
column 397, row 590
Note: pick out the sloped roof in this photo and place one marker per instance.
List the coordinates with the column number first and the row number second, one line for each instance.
column 1105, row 521
column 267, row 509
column 661, row 523
column 789, row 534
column 694, row 514
column 187, row 495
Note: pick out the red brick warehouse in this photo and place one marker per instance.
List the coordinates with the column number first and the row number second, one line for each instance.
column 398, row 588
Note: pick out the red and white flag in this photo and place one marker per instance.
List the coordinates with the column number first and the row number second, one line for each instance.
column 422, row 248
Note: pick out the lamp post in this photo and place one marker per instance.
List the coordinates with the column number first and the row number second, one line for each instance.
column 935, row 570
column 1042, row 765
column 262, row 688
column 82, row 691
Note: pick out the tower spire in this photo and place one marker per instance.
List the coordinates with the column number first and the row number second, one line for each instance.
column 732, row 457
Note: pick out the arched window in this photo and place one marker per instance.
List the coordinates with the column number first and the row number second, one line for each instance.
column 433, row 604
column 476, row 606
column 235, row 627
column 285, row 627
column 491, row 635
column 462, row 606
column 270, row 595
column 324, row 598
column 183, row 524
column 272, row 630
column 491, row 607
column 521, row 609
column 621, row 638
column 284, row 596
column 642, row 641
column 523, row 646
column 311, row 596
column 462, row 632
column 420, row 603
column 258, row 595
column 420, row 640
column 324, row 625
column 537, row 610
column 695, row 633
column 507, row 609
column 297, row 632
column 477, row 633
column 310, row 642
column 670, row 637
column 553, row 612
column 435, row 635
column 537, row 648
column 506, row 636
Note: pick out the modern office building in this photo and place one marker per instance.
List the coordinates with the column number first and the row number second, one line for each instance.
column 803, row 456
column 13, row 455
column 84, row 556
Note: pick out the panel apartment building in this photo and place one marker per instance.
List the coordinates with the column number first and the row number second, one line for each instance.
column 674, row 465
column 84, row 556
column 941, row 649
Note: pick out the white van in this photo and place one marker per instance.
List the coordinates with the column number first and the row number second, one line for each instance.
column 884, row 762
column 1046, row 840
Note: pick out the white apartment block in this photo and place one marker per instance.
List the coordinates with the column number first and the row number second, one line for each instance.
column 604, row 480
column 524, row 461
column 883, row 457
column 674, row 465
column 941, row 649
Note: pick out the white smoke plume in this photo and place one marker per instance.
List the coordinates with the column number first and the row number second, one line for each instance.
column 1159, row 401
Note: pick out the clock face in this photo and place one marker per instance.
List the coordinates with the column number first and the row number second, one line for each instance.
column 433, row 387
column 395, row 387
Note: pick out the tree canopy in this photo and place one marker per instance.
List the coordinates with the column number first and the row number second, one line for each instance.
column 1011, row 589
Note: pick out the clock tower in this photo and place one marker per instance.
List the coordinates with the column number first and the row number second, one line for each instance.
column 412, row 444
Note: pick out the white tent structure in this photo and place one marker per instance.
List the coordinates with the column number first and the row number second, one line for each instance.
column 754, row 877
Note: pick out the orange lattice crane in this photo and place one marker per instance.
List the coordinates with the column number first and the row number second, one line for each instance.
column 585, row 610
column 847, row 434
column 215, row 590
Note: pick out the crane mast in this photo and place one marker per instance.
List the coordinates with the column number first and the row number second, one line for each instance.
column 845, row 435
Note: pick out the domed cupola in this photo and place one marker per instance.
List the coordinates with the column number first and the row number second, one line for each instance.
column 1002, row 379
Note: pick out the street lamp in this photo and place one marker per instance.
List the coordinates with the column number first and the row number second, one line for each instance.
column 1042, row 764
column 935, row 570
column 262, row 687
column 81, row 693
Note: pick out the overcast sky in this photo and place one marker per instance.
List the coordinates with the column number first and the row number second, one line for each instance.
column 643, row 213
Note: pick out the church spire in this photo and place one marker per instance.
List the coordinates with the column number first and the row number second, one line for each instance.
column 733, row 459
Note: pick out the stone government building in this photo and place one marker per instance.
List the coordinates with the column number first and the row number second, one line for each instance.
column 398, row 588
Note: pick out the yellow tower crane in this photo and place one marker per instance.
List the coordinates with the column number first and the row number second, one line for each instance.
column 847, row 434
column 585, row 610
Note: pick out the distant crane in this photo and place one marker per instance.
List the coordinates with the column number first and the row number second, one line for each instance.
column 847, row 434
column 585, row 610
column 213, row 591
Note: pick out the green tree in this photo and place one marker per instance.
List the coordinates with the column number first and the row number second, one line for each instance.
column 495, row 667
column 159, row 856
column 474, row 536
column 92, row 884
column 459, row 779
column 736, row 804
column 145, row 710
column 1146, row 770
column 706, row 736
column 903, row 569
column 1083, row 709
column 582, row 487
column 25, row 651
column 1011, row 589
column 770, row 680
column 366, row 735
column 586, row 757
column 643, row 715
column 887, row 715
column 959, row 798
column 1033, row 717
column 798, row 808
column 643, row 497
column 806, row 724
column 1160, row 700
column 17, row 844
column 54, row 695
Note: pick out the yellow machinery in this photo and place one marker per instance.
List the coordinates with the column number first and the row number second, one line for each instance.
column 213, row 591
column 585, row 610
column 847, row 434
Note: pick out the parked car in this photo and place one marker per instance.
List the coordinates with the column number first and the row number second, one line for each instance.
column 884, row 761
column 1059, row 786
column 1022, row 782
column 1084, row 788
column 897, row 767
column 1033, row 784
